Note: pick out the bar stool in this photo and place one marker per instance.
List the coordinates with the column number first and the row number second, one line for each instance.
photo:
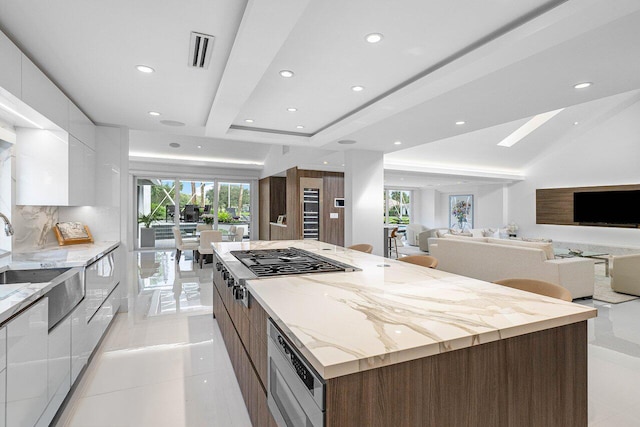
column 393, row 241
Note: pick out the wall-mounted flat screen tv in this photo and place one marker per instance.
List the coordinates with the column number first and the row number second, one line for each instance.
column 606, row 207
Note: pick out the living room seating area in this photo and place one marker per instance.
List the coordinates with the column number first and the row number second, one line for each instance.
column 492, row 259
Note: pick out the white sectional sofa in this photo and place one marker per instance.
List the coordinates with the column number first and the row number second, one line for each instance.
column 493, row 259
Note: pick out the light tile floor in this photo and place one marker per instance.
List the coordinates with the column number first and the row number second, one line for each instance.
column 164, row 363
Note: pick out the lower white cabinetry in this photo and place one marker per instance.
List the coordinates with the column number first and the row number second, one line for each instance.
column 80, row 345
column 3, row 397
column 27, row 360
column 3, row 375
column 59, row 366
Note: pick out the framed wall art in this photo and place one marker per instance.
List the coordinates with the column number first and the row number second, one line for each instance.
column 461, row 212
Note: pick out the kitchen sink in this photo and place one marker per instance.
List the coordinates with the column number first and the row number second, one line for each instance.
column 9, row 277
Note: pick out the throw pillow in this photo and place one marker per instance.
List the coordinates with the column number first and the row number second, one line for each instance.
column 460, row 233
column 489, row 232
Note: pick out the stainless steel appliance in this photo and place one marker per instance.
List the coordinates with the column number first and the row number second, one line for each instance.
column 311, row 214
column 265, row 263
column 296, row 393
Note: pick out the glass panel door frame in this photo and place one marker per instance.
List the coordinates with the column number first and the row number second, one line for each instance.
column 178, row 180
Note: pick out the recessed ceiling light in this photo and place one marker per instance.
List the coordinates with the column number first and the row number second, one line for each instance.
column 357, row 88
column 582, row 85
column 199, row 146
column 174, row 145
column 326, row 163
column 346, row 141
column 299, row 127
column 575, row 123
column 154, row 113
column 460, row 122
column 286, row 73
column 292, row 109
column 144, row 69
column 397, row 143
column 373, row 37
column 248, row 120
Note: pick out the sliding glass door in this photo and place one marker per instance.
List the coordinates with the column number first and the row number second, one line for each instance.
column 186, row 203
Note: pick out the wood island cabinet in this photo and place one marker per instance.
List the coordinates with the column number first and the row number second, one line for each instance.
column 244, row 331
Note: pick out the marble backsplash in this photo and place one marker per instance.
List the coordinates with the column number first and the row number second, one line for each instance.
column 34, row 227
column 6, row 158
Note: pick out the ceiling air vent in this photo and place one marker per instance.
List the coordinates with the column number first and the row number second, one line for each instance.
column 200, row 49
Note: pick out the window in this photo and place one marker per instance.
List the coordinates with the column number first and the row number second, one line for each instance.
column 397, row 206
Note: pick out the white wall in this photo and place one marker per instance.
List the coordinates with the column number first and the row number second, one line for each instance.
column 279, row 160
column 363, row 187
column 607, row 153
column 488, row 206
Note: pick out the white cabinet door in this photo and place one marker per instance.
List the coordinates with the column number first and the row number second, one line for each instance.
column 3, row 397
column 88, row 189
column 59, row 367
column 43, row 96
column 81, row 127
column 53, row 169
column 80, row 345
column 27, row 365
column 10, row 74
column 3, row 348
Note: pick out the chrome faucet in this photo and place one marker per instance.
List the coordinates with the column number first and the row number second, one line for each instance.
column 8, row 228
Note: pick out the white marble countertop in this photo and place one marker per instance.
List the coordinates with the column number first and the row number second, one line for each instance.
column 62, row 256
column 391, row 312
column 16, row 297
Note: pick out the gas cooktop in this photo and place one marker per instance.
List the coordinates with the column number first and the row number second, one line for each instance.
column 280, row 262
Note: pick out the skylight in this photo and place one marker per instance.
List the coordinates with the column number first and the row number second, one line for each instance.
column 528, row 127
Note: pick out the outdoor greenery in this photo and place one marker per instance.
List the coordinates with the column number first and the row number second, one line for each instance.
column 234, row 198
column 398, row 202
column 147, row 219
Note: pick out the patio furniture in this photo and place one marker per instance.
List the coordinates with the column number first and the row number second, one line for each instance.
column 170, row 212
column 191, row 213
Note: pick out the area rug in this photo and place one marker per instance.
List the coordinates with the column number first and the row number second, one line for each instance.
column 603, row 292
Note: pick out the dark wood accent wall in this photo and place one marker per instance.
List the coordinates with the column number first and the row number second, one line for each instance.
column 280, row 195
column 333, row 229
column 272, row 203
column 293, row 205
column 264, row 208
column 538, row 379
column 555, row 205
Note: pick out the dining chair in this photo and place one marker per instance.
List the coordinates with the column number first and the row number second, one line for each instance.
column 423, row 260
column 206, row 238
column 202, row 227
column 538, row 287
column 238, row 235
column 362, row 247
column 183, row 244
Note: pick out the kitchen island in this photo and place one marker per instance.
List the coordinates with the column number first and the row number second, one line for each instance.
column 399, row 344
